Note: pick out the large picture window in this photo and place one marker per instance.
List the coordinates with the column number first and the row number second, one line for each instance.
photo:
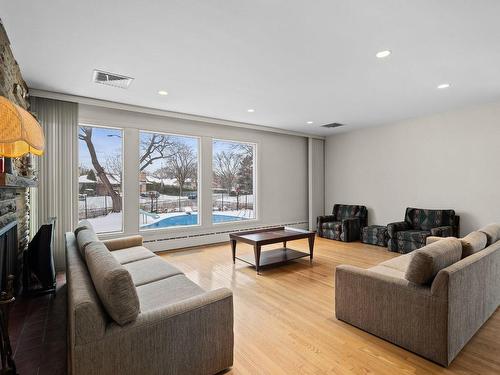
column 233, row 193
column 100, row 177
column 168, row 181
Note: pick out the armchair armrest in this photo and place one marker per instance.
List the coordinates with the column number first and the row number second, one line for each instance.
column 325, row 219
column 351, row 229
column 321, row 220
column 399, row 226
column 444, row 231
column 123, row 243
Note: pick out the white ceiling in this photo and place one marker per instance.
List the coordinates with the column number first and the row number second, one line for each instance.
column 292, row 61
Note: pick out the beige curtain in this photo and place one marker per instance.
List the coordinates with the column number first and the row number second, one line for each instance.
column 55, row 194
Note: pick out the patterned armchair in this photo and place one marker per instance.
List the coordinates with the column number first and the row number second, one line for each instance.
column 344, row 224
column 411, row 234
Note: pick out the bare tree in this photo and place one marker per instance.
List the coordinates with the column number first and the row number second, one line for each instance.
column 243, row 148
column 161, row 174
column 156, row 147
column 182, row 166
column 226, row 166
column 114, row 167
column 85, row 135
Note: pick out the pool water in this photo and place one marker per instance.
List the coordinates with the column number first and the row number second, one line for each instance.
column 189, row 220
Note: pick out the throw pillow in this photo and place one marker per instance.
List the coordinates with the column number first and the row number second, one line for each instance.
column 429, row 260
column 113, row 284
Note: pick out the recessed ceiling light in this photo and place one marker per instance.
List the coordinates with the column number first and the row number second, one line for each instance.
column 310, row 122
column 383, row 54
column 162, row 92
column 251, row 110
column 444, row 86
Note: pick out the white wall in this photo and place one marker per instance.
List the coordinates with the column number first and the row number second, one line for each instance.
column 282, row 179
column 448, row 160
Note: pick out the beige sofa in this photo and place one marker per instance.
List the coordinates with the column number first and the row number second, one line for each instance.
column 130, row 312
column 431, row 301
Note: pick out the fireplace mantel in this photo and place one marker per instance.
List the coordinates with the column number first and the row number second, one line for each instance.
column 8, row 180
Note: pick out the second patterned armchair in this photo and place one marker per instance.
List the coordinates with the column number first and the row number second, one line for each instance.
column 419, row 223
column 344, row 224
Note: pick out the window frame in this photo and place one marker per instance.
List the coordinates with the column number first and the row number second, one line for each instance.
column 198, row 185
column 255, row 182
column 77, row 183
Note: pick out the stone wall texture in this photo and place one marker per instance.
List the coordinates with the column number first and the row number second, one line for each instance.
column 14, row 203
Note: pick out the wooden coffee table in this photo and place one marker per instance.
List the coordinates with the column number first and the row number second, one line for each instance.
column 258, row 238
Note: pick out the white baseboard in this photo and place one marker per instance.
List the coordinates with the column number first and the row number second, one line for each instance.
column 173, row 242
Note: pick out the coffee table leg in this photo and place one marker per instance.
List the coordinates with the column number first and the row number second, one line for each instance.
column 284, row 245
column 233, row 249
column 311, row 247
column 256, row 250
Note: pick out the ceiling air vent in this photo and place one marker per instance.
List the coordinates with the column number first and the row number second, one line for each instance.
column 332, row 125
column 112, row 79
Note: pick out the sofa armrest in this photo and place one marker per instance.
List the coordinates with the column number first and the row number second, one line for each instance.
column 196, row 333
column 399, row 226
column 394, row 309
column 123, row 242
column 351, row 229
column 444, row 231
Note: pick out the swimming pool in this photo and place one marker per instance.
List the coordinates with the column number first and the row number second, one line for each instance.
column 189, row 220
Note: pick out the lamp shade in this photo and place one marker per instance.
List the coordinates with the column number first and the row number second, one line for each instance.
column 20, row 132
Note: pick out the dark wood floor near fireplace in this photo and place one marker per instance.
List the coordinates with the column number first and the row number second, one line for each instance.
column 38, row 333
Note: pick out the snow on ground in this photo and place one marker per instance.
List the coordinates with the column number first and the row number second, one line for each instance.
column 113, row 221
column 164, row 198
column 228, row 198
column 99, row 202
column 109, row 223
column 95, row 202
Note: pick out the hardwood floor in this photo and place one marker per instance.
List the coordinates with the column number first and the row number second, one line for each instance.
column 285, row 321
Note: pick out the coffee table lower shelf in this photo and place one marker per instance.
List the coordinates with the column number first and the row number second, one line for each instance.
column 275, row 256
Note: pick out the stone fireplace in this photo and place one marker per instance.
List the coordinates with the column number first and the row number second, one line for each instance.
column 14, row 197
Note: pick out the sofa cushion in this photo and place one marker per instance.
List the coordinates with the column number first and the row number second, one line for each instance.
column 425, row 219
column 388, row 271
column 413, row 235
column 472, row 243
column 399, row 263
column 165, row 292
column 429, row 260
column 132, row 254
column 149, row 270
column 113, row 284
column 492, row 232
column 345, row 211
column 85, row 237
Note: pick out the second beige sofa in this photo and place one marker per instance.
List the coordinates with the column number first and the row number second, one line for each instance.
column 436, row 318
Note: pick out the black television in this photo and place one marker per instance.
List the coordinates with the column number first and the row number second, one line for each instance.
column 39, row 271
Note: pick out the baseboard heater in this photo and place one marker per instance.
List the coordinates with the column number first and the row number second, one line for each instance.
column 196, row 239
